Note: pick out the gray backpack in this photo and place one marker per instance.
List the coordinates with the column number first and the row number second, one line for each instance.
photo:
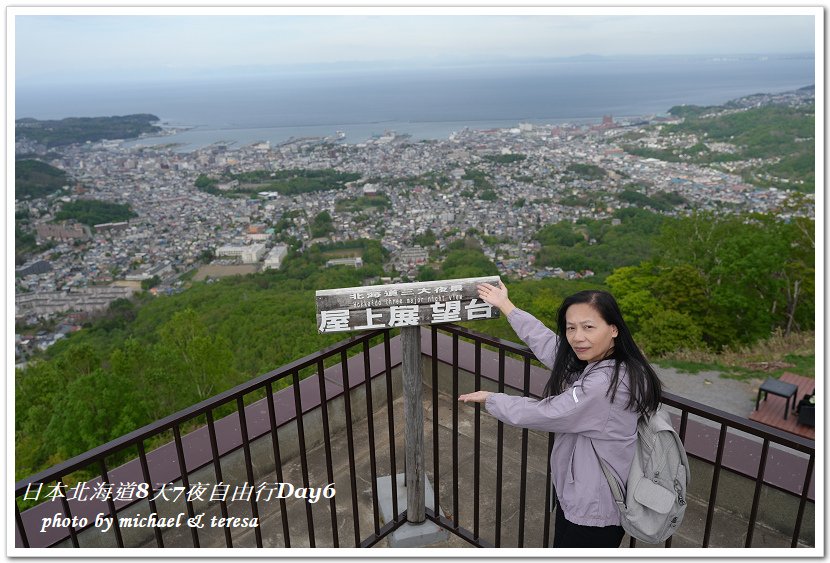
column 655, row 499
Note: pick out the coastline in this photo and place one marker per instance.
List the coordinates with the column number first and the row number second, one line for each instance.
column 424, row 105
column 190, row 138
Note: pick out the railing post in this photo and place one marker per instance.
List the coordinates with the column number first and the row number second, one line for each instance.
column 413, row 412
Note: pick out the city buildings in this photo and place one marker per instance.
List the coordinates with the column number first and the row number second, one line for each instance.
column 428, row 185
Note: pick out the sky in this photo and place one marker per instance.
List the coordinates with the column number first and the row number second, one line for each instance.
column 77, row 48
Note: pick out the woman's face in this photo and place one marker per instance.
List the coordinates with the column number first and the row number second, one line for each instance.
column 587, row 332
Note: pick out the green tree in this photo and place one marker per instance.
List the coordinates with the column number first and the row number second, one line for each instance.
column 682, row 288
column 668, row 331
column 631, row 287
column 504, row 158
column 467, row 263
column 95, row 408
column 35, row 179
column 587, row 171
column 79, row 360
column 92, row 212
column 321, row 225
column 559, row 234
column 748, row 269
column 426, row 240
column 707, row 249
column 206, row 183
column 427, row 273
column 150, row 283
column 118, row 315
column 201, row 362
column 37, row 389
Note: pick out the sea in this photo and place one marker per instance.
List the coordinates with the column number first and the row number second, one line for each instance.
column 423, row 103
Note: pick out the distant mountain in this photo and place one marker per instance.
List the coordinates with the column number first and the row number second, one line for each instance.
column 587, row 57
column 55, row 133
column 772, row 138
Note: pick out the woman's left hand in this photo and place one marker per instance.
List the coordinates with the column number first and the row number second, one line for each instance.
column 475, row 397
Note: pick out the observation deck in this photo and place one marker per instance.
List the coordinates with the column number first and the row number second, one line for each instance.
column 336, row 417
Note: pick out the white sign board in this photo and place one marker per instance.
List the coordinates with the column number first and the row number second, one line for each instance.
column 403, row 304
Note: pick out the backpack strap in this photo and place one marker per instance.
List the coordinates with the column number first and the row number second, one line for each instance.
column 616, row 490
column 552, row 504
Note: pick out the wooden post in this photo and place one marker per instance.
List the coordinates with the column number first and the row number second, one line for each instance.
column 406, row 306
column 413, row 412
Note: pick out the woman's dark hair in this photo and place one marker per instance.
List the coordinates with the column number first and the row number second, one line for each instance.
column 646, row 389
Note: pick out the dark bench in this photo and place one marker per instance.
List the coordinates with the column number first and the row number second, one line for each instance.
column 780, row 388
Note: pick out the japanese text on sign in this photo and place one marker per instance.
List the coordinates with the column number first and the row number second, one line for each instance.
column 401, row 305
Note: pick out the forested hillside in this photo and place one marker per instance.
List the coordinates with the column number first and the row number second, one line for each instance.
column 769, row 146
column 34, row 179
column 286, row 182
column 59, row 132
column 600, row 246
column 93, row 212
column 720, row 282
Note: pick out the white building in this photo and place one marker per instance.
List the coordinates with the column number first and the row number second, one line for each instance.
column 275, row 257
column 356, row 262
column 63, row 231
column 145, row 274
column 414, row 255
column 250, row 254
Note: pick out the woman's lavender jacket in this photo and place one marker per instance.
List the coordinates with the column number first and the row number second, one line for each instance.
column 580, row 415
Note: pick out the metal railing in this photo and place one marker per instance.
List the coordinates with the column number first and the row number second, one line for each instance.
column 520, row 381
column 355, row 366
column 306, row 398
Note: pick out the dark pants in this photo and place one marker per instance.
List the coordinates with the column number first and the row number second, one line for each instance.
column 568, row 534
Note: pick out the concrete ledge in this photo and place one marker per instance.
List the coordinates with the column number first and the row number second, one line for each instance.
column 409, row 534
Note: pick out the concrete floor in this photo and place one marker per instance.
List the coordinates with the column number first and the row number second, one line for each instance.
column 729, row 529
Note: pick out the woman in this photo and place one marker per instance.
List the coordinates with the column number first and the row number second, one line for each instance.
column 600, row 384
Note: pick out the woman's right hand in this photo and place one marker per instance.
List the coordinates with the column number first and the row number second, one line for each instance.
column 495, row 296
column 475, row 397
